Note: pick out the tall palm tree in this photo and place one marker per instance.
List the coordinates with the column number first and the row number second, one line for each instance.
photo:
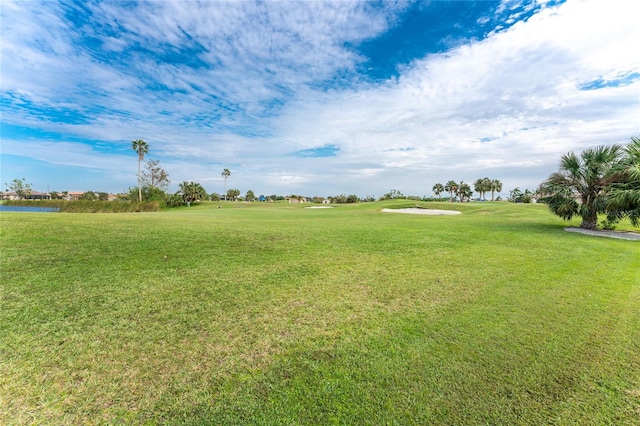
column 496, row 186
column 580, row 187
column 141, row 147
column 486, row 186
column 438, row 189
column 477, row 186
column 225, row 174
column 451, row 187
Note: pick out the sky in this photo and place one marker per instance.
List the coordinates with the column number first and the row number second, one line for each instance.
column 312, row 98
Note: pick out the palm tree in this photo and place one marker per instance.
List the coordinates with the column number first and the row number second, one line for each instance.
column 451, row 187
column 496, row 186
column 515, row 195
column 225, row 174
column 192, row 191
column 481, row 186
column 141, row 147
column 477, row 186
column 580, row 187
column 438, row 188
column 624, row 196
column 464, row 191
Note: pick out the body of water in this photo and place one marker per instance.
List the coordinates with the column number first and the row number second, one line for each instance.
column 28, row 209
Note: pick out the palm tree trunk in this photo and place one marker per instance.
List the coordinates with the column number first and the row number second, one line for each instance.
column 139, row 184
column 590, row 220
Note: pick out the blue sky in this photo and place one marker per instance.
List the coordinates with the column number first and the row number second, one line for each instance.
column 312, row 98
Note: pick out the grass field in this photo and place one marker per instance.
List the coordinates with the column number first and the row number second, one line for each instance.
column 281, row 315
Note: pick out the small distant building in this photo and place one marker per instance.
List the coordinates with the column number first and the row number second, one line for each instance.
column 33, row 195
column 74, row 195
column 294, row 199
column 326, row 201
column 10, row 196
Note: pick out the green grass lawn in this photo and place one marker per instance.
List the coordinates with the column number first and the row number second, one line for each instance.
column 277, row 314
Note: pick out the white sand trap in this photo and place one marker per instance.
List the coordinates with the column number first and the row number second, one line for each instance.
column 414, row 210
column 319, row 207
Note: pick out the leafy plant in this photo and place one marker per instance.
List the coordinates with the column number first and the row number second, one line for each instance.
column 580, row 187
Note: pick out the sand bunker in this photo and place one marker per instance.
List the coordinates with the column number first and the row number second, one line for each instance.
column 319, row 207
column 415, row 210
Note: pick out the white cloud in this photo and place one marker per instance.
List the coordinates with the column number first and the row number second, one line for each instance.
column 520, row 86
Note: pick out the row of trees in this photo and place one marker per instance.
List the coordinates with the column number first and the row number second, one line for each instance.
column 154, row 180
column 601, row 180
column 463, row 190
column 484, row 185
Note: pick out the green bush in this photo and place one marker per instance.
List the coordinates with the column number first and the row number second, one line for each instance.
column 175, row 200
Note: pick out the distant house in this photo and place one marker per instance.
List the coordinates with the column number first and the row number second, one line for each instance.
column 74, row 195
column 33, row 195
column 10, row 196
column 295, row 199
column 326, row 201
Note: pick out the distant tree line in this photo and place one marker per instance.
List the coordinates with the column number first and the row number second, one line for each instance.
column 602, row 180
column 462, row 190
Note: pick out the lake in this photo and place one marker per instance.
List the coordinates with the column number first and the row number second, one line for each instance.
column 29, row 209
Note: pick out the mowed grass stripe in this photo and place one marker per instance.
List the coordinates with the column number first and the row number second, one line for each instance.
column 276, row 314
